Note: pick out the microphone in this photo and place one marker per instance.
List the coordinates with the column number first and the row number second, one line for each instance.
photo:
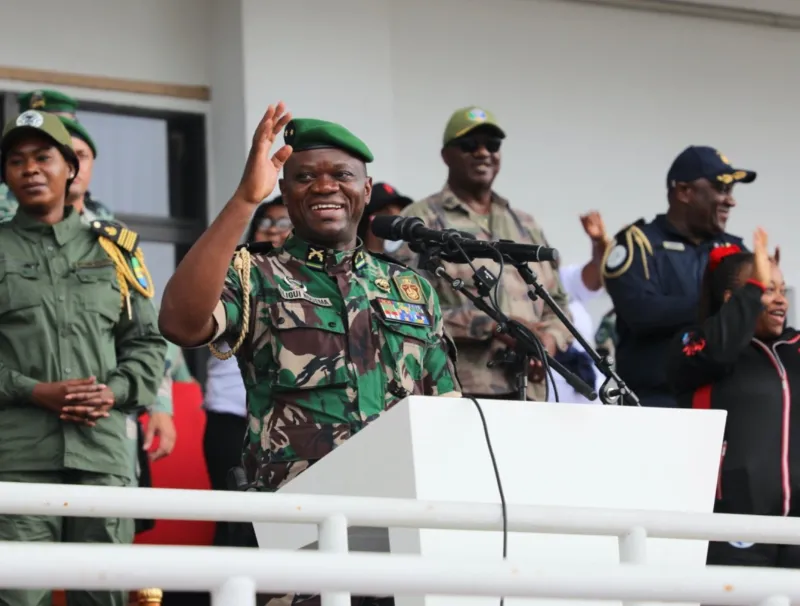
column 412, row 229
column 456, row 244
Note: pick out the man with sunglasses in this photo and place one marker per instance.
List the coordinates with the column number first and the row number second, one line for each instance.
column 471, row 152
column 653, row 271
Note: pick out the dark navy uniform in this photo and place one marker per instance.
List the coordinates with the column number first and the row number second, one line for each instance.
column 653, row 275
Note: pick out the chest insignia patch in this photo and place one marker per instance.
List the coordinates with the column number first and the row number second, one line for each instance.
column 302, row 293
column 383, row 284
column 407, row 313
column 674, row 246
column 410, row 288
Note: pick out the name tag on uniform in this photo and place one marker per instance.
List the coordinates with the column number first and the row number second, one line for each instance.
column 406, row 313
column 302, row 293
column 679, row 246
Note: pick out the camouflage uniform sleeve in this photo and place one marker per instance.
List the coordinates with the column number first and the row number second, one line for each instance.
column 8, row 204
column 439, row 363
column 463, row 321
column 141, row 351
column 163, row 401
column 228, row 313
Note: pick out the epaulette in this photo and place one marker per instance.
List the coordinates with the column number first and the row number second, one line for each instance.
column 395, row 261
column 619, row 257
column 390, row 259
column 115, row 231
column 122, row 245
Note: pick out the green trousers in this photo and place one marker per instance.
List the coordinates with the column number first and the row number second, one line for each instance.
column 52, row 529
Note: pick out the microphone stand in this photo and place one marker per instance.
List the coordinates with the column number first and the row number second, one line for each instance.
column 604, row 363
column 528, row 344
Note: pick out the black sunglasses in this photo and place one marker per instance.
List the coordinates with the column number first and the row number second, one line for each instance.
column 469, row 145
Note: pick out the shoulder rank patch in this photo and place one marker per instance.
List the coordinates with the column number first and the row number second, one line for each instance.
column 619, row 257
column 315, row 257
column 409, row 287
column 120, row 235
column 405, row 313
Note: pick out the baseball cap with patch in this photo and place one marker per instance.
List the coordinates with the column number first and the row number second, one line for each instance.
column 703, row 162
column 467, row 119
column 42, row 123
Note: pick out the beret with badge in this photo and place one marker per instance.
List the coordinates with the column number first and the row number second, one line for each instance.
column 43, row 123
column 56, row 102
column 308, row 133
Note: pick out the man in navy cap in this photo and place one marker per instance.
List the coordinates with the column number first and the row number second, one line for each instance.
column 653, row 271
column 385, row 200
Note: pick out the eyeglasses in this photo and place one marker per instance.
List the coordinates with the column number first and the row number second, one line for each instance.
column 470, row 145
column 282, row 224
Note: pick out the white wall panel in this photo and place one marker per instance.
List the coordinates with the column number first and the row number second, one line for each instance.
column 155, row 40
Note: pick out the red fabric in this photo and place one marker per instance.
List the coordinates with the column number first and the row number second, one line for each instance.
column 757, row 283
column 702, row 398
column 184, row 468
column 719, row 253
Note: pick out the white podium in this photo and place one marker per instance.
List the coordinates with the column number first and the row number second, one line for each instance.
column 547, row 454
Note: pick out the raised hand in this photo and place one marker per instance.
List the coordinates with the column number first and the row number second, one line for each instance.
column 260, row 171
column 593, row 226
column 762, row 265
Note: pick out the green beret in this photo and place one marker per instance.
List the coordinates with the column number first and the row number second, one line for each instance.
column 48, row 101
column 76, row 129
column 307, row 133
column 42, row 123
column 467, row 119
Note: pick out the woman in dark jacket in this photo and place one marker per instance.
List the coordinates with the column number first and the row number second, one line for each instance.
column 742, row 358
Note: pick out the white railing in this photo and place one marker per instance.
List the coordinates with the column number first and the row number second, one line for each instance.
column 234, row 575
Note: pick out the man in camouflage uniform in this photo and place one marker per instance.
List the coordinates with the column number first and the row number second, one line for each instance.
column 328, row 335
column 65, row 107
column 471, row 150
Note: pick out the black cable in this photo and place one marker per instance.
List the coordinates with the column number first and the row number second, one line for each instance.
column 499, row 482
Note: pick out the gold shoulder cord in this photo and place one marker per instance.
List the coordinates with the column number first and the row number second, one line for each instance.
column 125, row 275
column 633, row 236
column 241, row 265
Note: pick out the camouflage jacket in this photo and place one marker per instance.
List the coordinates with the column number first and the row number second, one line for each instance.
column 332, row 340
column 92, row 209
column 175, row 370
column 470, row 327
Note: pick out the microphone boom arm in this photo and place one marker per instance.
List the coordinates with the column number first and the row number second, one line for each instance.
column 603, row 363
column 525, row 339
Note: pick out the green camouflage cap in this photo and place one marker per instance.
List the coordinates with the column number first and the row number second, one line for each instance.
column 76, row 129
column 467, row 119
column 48, row 101
column 42, row 123
column 307, row 133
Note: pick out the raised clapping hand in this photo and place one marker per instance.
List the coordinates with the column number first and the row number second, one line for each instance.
column 762, row 265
